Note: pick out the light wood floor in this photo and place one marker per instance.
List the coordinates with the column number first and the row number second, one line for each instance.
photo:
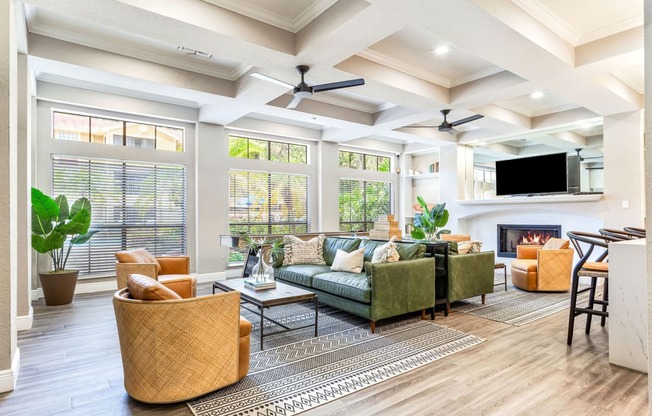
column 71, row 366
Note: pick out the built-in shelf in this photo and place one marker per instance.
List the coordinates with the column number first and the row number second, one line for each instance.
column 423, row 175
column 532, row 199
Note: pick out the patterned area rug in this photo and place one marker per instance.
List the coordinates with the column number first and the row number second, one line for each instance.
column 517, row 307
column 292, row 378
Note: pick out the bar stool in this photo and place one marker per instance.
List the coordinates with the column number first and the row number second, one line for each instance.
column 636, row 230
column 619, row 234
column 585, row 243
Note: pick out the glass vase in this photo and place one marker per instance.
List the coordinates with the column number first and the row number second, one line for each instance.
column 261, row 269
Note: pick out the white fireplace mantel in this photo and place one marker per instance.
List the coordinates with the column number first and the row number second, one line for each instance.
column 532, row 199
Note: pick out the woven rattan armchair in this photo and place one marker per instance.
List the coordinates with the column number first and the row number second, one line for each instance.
column 544, row 268
column 162, row 268
column 176, row 350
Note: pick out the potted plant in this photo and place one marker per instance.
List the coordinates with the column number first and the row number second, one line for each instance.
column 428, row 225
column 53, row 221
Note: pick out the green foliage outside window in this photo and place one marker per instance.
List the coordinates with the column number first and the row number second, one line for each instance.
column 361, row 202
column 259, row 149
column 354, row 160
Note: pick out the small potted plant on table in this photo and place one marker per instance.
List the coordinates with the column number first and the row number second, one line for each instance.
column 53, row 221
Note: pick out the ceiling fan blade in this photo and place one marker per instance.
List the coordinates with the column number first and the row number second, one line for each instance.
column 295, row 102
column 466, row 120
column 338, row 85
column 419, row 126
column 270, row 79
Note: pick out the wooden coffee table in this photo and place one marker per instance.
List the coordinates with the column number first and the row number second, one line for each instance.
column 283, row 294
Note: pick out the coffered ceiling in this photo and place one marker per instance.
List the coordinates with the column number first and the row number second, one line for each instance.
column 585, row 59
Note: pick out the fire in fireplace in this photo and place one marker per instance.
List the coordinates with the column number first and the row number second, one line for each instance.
column 511, row 235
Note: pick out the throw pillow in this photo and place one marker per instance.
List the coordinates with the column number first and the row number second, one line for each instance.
column 556, row 244
column 143, row 287
column 386, row 253
column 464, row 247
column 476, row 247
column 348, row 262
column 297, row 251
column 139, row 255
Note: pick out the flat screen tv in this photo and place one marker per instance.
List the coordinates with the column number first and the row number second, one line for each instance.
column 533, row 175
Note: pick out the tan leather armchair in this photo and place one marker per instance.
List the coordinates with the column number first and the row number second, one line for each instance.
column 176, row 349
column 162, row 268
column 544, row 268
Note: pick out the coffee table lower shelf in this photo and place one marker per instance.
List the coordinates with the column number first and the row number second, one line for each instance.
column 283, row 294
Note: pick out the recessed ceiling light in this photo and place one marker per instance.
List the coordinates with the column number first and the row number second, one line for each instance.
column 536, row 95
column 441, row 50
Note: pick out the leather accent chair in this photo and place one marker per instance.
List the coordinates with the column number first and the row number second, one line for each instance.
column 455, row 237
column 544, row 268
column 170, row 269
column 174, row 348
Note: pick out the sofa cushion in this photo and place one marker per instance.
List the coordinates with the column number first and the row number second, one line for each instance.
column 332, row 244
column 410, row 251
column 348, row 262
column 300, row 274
column 386, row 253
column 347, row 285
column 369, row 247
column 298, row 251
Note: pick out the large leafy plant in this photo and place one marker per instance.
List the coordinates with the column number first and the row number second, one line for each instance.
column 53, row 221
column 431, row 222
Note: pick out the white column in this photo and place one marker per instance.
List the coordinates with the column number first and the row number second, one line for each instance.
column 212, row 203
column 9, row 354
column 648, row 175
column 24, row 249
column 328, row 188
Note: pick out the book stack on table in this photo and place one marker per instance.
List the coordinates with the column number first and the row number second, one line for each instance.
column 385, row 227
column 253, row 284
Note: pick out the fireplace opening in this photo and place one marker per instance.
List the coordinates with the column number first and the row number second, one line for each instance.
column 511, row 235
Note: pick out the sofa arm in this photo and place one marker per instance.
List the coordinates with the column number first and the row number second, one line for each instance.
column 174, row 264
column 123, row 270
column 470, row 275
column 401, row 287
column 527, row 251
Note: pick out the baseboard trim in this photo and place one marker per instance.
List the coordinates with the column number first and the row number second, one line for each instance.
column 9, row 377
column 24, row 322
column 107, row 286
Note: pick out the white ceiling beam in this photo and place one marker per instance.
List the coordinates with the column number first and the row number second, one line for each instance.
column 612, row 48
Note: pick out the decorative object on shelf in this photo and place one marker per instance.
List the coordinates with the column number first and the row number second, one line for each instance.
column 385, row 228
column 260, row 247
column 429, row 224
column 53, row 221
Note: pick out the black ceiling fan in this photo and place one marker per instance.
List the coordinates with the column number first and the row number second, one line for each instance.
column 447, row 126
column 303, row 90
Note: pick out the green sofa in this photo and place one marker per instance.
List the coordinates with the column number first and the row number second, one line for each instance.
column 381, row 290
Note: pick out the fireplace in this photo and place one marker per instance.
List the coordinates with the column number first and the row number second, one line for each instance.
column 511, row 235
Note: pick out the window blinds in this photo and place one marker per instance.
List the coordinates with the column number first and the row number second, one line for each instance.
column 268, row 203
column 361, row 202
column 133, row 205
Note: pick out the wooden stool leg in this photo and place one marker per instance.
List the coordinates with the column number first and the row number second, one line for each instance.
column 573, row 305
column 594, row 282
column 484, row 298
column 372, row 324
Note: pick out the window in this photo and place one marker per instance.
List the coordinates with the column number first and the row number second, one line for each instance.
column 248, row 148
column 361, row 202
column 133, row 205
column 66, row 126
column 267, row 203
column 355, row 160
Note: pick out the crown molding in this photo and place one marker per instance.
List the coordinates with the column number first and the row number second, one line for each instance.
column 541, row 13
column 605, row 31
column 630, row 81
column 399, row 65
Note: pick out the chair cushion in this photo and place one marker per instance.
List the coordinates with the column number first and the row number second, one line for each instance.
column 245, row 327
column 142, row 287
column 596, row 265
column 411, row 251
column 556, row 244
column 526, row 265
column 348, row 262
column 139, row 255
column 297, row 251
